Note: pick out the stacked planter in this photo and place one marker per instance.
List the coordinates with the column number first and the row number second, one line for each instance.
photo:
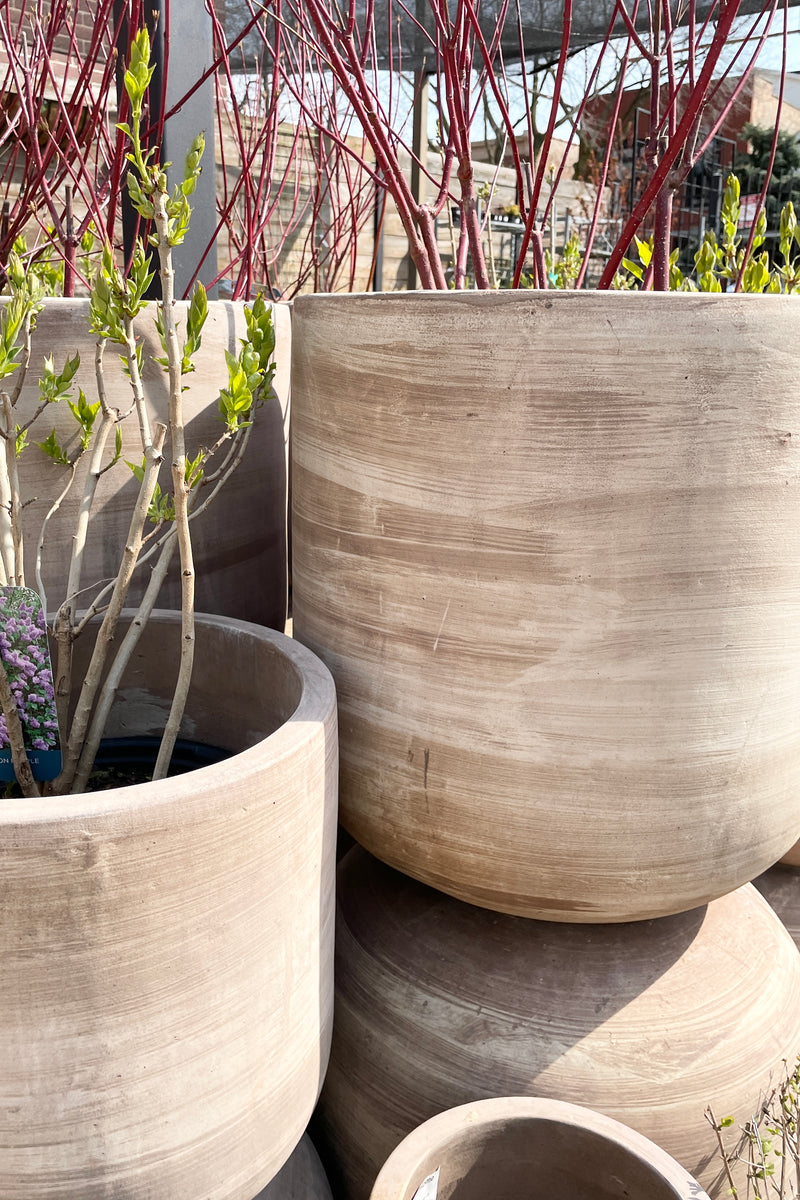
column 549, row 547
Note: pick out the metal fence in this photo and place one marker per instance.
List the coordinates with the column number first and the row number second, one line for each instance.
column 698, row 204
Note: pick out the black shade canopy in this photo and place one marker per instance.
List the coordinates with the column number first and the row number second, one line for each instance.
column 542, row 26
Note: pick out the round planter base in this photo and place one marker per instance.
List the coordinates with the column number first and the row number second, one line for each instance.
column 439, row 1003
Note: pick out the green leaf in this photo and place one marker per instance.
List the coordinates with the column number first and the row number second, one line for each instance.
column 117, row 447
column 138, row 472
column 756, row 274
column 193, row 473
column 196, row 319
column 84, row 412
column 53, row 449
column 705, row 259
column 192, row 168
column 645, row 251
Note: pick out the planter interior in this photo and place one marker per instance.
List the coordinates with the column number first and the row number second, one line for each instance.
column 517, row 1146
column 549, row 546
column 166, row 997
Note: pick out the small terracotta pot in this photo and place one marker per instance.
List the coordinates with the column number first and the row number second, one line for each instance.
column 514, row 1146
column 166, row 992
column 439, row 1003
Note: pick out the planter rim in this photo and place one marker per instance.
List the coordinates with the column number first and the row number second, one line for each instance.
column 83, row 302
column 510, row 296
column 397, row 1173
column 318, row 697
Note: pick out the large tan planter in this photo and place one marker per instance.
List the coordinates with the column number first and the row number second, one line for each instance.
column 549, row 546
column 240, row 541
column 500, row 1147
column 166, row 991
column 439, row 1003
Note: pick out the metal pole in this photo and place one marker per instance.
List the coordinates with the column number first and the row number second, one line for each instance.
column 419, row 148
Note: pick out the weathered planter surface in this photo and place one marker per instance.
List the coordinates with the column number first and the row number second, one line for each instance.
column 166, row 992
column 240, row 541
column 780, row 885
column 549, row 546
column 439, row 1003
column 502, row 1147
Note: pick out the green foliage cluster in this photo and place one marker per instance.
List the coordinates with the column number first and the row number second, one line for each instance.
column 764, row 1164
column 116, row 298
column 784, row 174
column 149, row 176
column 719, row 263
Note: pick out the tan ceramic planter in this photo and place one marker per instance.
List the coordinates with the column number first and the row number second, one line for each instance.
column 439, row 1003
column 240, row 541
column 549, row 546
column 500, row 1147
column 780, row 885
column 166, row 992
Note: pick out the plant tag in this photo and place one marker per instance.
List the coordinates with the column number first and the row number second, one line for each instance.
column 25, row 655
column 429, row 1187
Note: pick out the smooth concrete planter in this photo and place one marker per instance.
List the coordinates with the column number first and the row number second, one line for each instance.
column 439, row 1003
column 240, row 541
column 166, row 991
column 549, row 546
column 505, row 1147
column 780, row 885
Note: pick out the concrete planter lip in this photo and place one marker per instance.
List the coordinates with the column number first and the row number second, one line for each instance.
column 317, row 694
column 511, row 297
column 422, row 1151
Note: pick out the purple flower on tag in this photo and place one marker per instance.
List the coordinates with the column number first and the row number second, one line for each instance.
column 23, row 651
